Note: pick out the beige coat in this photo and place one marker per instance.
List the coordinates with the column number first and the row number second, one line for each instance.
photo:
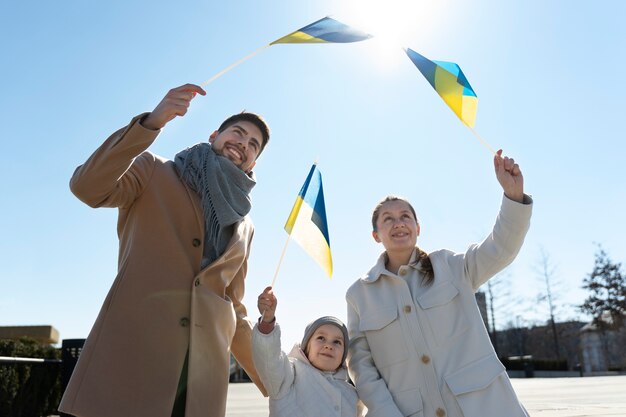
column 424, row 350
column 161, row 304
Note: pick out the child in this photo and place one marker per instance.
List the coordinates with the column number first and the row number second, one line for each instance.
column 312, row 379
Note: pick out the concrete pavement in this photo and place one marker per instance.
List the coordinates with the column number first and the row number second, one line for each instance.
column 542, row 397
column 560, row 397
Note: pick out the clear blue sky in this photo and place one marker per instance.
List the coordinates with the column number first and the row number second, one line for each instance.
column 548, row 75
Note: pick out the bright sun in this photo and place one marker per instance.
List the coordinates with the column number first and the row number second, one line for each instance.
column 394, row 24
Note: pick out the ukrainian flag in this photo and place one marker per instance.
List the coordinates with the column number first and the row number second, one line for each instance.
column 450, row 83
column 326, row 30
column 307, row 221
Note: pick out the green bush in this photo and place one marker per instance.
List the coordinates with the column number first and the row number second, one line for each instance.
column 29, row 390
column 550, row 364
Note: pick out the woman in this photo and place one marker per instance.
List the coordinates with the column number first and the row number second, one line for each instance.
column 418, row 345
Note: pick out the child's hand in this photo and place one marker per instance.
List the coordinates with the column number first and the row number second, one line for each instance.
column 266, row 304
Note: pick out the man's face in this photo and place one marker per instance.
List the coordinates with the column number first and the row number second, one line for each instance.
column 240, row 143
column 325, row 348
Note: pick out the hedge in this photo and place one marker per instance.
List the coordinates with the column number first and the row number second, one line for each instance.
column 535, row 364
column 28, row 390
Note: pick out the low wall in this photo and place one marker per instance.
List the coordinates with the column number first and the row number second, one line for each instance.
column 560, row 374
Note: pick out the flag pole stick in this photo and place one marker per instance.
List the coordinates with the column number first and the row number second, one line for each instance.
column 224, row 71
column 483, row 141
column 280, row 261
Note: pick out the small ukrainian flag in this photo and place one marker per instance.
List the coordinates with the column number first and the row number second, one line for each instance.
column 326, row 30
column 307, row 221
column 450, row 83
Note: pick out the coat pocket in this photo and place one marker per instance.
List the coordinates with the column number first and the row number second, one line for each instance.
column 444, row 310
column 482, row 388
column 409, row 402
column 384, row 336
column 214, row 314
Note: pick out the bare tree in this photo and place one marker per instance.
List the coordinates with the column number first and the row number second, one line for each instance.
column 500, row 304
column 546, row 270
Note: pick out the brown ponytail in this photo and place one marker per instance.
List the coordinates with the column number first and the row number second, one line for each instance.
column 426, row 267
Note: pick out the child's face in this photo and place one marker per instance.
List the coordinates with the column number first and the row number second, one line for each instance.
column 325, row 348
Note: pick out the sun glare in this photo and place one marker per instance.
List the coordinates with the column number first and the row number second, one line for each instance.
column 395, row 24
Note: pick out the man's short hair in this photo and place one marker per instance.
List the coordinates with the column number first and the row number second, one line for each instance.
column 253, row 118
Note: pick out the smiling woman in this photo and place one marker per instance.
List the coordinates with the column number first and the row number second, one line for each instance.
column 418, row 345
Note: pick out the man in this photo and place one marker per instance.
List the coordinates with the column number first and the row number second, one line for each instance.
column 161, row 343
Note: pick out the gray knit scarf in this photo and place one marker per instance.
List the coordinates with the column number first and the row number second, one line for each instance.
column 224, row 190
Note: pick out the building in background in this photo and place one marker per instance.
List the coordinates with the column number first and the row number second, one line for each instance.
column 45, row 335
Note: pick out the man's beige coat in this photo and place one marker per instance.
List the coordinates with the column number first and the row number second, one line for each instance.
column 161, row 305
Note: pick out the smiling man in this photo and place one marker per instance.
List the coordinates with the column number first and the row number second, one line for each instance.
column 161, row 344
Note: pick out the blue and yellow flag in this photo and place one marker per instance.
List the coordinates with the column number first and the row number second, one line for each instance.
column 450, row 83
column 326, row 30
column 307, row 221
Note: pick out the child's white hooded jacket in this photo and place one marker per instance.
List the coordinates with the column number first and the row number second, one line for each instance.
column 295, row 387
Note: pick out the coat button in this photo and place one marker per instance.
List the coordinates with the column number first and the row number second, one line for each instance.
column 402, row 272
column 184, row 322
column 440, row 412
column 196, row 282
column 407, row 309
column 425, row 359
column 196, row 243
column 336, row 408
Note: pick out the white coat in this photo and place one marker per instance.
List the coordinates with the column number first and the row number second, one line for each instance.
column 295, row 387
column 428, row 353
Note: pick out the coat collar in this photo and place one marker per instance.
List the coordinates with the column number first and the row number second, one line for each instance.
column 380, row 269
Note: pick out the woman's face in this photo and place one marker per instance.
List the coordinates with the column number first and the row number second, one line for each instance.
column 396, row 227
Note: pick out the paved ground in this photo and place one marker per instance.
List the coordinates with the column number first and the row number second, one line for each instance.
column 542, row 397
column 559, row 397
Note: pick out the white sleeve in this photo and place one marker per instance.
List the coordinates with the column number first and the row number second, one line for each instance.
column 272, row 364
column 482, row 261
